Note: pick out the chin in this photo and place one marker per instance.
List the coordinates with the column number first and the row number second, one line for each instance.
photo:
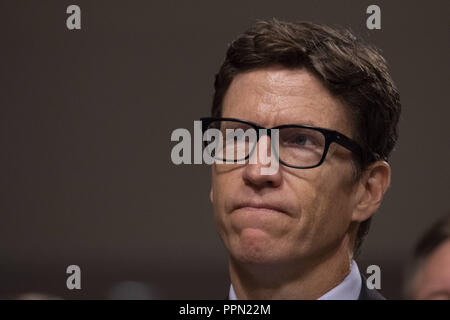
column 253, row 246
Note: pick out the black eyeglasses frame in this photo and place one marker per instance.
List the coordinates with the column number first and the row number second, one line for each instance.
column 330, row 137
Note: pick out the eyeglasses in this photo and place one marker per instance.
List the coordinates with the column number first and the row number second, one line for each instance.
column 299, row 146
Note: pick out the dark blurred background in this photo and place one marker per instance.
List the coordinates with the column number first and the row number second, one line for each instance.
column 86, row 118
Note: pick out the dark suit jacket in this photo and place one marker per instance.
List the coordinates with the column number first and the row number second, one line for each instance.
column 365, row 293
column 368, row 294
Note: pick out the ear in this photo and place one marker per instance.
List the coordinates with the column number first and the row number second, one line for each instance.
column 211, row 197
column 371, row 188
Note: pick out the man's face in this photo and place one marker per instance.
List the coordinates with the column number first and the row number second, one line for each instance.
column 433, row 280
column 294, row 214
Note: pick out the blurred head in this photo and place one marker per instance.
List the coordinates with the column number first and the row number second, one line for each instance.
column 428, row 274
column 280, row 73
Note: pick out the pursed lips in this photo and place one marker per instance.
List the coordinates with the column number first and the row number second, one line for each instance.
column 260, row 206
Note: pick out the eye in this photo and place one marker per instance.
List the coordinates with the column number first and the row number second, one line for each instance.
column 302, row 140
column 233, row 135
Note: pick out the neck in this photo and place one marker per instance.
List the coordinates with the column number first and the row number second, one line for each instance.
column 305, row 280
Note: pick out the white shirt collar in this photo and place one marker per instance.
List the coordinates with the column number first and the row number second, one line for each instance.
column 348, row 289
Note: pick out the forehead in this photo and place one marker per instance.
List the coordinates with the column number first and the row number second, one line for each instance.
column 275, row 96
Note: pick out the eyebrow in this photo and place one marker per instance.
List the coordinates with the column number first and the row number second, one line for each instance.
column 307, row 123
column 297, row 123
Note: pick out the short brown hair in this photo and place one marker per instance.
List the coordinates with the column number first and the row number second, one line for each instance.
column 436, row 235
column 351, row 70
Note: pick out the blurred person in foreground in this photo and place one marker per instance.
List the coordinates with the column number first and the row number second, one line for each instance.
column 428, row 273
column 294, row 234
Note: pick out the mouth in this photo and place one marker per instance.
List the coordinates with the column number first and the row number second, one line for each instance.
column 260, row 207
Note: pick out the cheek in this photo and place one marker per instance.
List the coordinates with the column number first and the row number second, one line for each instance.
column 217, row 202
column 333, row 212
column 325, row 215
column 220, row 181
column 226, row 179
column 223, row 183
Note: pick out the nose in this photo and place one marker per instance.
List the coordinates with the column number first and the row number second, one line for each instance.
column 259, row 163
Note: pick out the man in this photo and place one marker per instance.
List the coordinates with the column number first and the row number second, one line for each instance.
column 293, row 234
column 428, row 276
